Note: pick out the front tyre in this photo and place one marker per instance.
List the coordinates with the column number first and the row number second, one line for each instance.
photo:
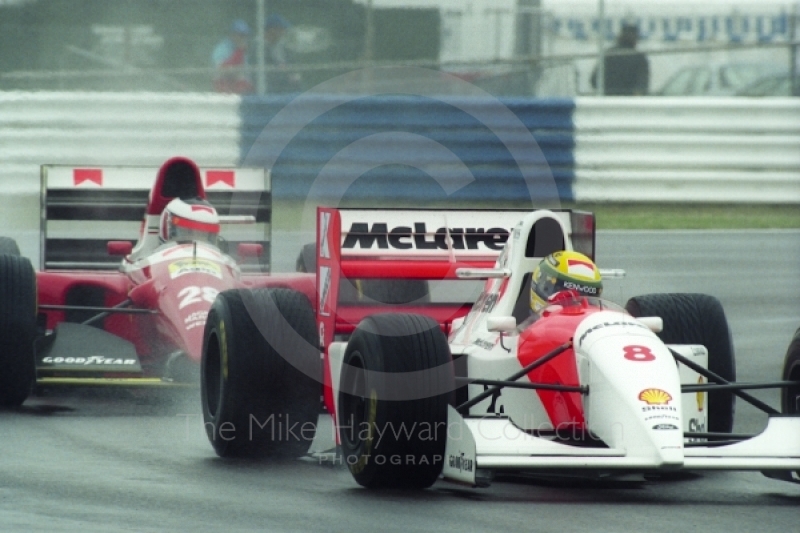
column 395, row 386
column 17, row 329
column 790, row 396
column 260, row 374
column 697, row 319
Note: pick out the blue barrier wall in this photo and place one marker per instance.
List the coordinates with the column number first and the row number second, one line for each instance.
column 411, row 148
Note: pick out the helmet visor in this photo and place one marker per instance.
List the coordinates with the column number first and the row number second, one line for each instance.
column 183, row 229
column 549, row 285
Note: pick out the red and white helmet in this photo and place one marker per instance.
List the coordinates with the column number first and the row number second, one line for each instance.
column 189, row 220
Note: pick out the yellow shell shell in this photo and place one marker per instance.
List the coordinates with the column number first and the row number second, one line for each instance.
column 655, row 397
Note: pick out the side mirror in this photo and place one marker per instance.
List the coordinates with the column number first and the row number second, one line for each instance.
column 119, row 248
column 653, row 323
column 501, row 324
column 249, row 249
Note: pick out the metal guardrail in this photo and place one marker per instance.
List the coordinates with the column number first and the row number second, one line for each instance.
column 708, row 150
column 637, row 149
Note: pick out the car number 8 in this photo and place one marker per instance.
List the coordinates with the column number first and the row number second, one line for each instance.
column 637, row 352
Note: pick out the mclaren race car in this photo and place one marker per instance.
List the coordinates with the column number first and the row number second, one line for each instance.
column 465, row 381
column 107, row 309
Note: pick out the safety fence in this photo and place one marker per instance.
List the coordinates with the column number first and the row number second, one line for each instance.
column 425, row 149
column 712, row 150
column 144, row 129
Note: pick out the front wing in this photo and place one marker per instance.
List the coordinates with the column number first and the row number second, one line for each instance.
column 476, row 444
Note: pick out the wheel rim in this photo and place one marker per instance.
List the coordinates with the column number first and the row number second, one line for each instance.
column 354, row 404
column 212, row 374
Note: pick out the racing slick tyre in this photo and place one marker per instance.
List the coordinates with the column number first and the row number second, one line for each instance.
column 790, row 396
column 384, row 291
column 17, row 329
column 307, row 260
column 8, row 246
column 697, row 319
column 260, row 374
column 396, row 381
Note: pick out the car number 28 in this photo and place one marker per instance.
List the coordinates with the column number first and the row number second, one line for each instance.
column 194, row 294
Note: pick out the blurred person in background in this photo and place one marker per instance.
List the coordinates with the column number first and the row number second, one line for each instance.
column 280, row 79
column 230, row 60
column 626, row 71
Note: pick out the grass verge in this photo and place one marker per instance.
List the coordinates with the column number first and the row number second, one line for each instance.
column 688, row 216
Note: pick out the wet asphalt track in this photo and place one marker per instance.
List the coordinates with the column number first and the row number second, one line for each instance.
column 89, row 462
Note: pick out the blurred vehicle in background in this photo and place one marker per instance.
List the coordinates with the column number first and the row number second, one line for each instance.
column 771, row 85
column 715, row 79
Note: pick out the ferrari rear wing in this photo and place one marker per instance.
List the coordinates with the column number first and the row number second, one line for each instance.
column 358, row 245
column 82, row 208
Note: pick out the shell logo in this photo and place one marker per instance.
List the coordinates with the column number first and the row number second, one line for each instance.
column 655, row 397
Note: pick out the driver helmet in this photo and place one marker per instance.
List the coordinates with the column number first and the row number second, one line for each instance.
column 564, row 271
column 189, row 220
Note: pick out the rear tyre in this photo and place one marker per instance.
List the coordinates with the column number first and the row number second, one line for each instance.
column 697, row 319
column 260, row 374
column 307, row 260
column 17, row 329
column 8, row 246
column 381, row 291
column 396, row 380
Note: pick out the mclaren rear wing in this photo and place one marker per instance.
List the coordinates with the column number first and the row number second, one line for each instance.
column 82, row 208
column 356, row 246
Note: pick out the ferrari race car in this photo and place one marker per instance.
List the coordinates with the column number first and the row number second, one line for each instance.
column 463, row 381
column 103, row 311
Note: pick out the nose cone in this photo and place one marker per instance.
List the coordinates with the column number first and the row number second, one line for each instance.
column 634, row 400
column 193, row 334
column 186, row 279
column 185, row 309
column 179, row 367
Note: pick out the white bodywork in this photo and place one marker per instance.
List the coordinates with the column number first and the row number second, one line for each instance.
column 639, row 436
column 635, row 411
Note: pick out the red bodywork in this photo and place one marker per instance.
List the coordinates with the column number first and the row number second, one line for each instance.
column 182, row 303
column 406, row 256
column 335, row 318
column 555, row 327
column 165, row 281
